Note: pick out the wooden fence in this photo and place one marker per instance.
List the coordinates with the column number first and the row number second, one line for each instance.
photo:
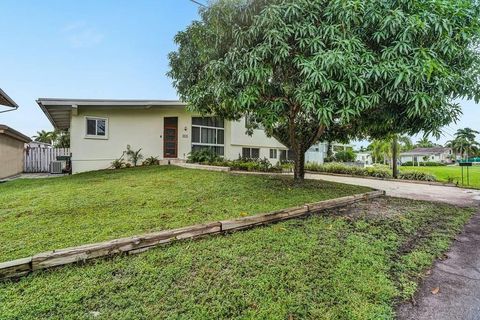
column 39, row 159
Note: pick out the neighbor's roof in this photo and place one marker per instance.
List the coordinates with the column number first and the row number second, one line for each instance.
column 14, row 133
column 5, row 100
column 425, row 151
column 59, row 111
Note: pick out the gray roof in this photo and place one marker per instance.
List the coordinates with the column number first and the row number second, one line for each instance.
column 14, row 133
column 59, row 110
column 5, row 100
column 425, row 151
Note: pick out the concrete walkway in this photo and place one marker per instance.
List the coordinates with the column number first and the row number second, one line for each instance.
column 458, row 280
column 457, row 276
column 416, row 191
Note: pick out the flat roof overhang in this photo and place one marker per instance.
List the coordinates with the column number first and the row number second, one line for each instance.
column 14, row 134
column 59, row 111
column 6, row 101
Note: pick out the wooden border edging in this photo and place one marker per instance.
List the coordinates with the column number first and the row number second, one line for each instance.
column 137, row 244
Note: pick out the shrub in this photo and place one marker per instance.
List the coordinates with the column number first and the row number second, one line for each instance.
column 203, row 156
column 335, row 167
column 345, row 156
column 118, row 163
column 416, row 175
column 151, row 161
column 133, row 156
column 423, row 164
column 245, row 164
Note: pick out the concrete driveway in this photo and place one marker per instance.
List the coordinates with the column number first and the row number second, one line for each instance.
column 458, row 276
column 416, row 191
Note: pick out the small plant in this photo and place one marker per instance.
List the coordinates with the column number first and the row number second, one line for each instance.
column 203, row 156
column 151, row 161
column 416, row 175
column 133, row 156
column 118, row 163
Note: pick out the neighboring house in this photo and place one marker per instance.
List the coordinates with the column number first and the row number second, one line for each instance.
column 12, row 145
column 364, row 157
column 316, row 153
column 435, row 154
column 100, row 131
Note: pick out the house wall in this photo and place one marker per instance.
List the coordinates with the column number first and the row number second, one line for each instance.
column 239, row 139
column 143, row 128
column 140, row 128
column 11, row 156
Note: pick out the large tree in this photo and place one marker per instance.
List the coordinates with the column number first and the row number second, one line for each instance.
column 326, row 70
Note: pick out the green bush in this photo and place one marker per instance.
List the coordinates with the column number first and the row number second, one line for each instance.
column 423, row 164
column 151, row 161
column 203, row 156
column 340, row 168
column 345, row 156
column 416, row 175
column 245, row 164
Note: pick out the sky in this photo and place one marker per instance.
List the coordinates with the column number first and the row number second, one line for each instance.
column 109, row 49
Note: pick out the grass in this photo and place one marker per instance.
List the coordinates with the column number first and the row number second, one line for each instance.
column 358, row 265
column 452, row 174
column 43, row 214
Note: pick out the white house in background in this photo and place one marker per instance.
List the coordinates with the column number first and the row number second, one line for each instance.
column 364, row 157
column 435, row 154
column 100, row 130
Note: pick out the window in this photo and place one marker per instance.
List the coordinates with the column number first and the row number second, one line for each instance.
column 208, row 133
column 286, row 155
column 273, row 153
column 251, row 153
column 97, row 127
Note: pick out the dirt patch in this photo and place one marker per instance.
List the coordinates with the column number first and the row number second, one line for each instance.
column 384, row 207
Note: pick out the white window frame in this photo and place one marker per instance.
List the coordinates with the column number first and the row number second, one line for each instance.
column 275, row 153
column 216, row 144
column 94, row 136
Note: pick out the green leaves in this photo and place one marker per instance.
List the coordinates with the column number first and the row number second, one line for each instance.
column 353, row 67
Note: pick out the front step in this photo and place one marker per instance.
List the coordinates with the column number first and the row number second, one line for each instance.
column 165, row 162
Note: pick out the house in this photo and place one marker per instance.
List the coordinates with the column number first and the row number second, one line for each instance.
column 434, row 154
column 364, row 157
column 100, row 130
column 12, row 143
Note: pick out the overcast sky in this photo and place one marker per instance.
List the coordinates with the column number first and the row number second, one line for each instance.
column 98, row 49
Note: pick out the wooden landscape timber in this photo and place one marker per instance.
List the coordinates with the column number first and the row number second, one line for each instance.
column 137, row 244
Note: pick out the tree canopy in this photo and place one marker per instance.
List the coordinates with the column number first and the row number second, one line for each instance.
column 326, row 70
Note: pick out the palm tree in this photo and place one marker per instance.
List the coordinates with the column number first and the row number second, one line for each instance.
column 467, row 133
column 62, row 139
column 424, row 143
column 464, row 142
column 43, row 136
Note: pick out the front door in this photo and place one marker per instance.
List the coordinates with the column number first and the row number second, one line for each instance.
column 170, row 137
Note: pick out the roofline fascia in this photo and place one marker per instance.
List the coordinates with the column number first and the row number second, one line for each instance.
column 14, row 106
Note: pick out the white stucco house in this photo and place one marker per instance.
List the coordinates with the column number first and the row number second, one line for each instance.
column 435, row 154
column 364, row 157
column 100, row 130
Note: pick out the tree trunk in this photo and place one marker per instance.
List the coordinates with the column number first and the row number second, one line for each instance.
column 394, row 157
column 299, row 169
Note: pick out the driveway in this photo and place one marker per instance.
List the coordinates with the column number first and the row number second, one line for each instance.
column 457, row 277
column 416, row 191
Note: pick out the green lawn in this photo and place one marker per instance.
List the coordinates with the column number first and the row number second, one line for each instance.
column 354, row 266
column 44, row 214
column 450, row 174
